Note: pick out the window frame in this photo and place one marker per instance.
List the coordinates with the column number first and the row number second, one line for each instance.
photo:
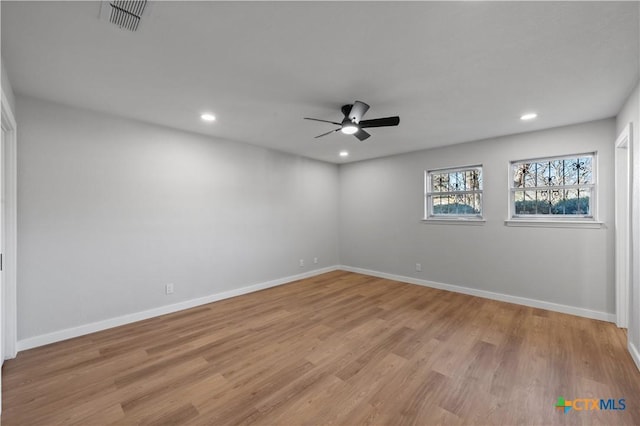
column 429, row 216
column 551, row 219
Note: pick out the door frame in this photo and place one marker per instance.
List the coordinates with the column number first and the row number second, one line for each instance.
column 622, row 192
column 10, row 308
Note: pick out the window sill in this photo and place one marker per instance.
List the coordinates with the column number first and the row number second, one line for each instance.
column 455, row 221
column 554, row 223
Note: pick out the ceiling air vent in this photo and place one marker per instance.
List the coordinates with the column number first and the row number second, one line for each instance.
column 125, row 14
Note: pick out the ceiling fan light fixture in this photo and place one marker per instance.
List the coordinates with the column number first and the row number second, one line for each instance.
column 348, row 127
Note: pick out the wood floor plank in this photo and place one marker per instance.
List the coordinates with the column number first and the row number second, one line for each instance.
column 339, row 348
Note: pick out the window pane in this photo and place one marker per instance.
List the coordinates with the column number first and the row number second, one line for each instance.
column 526, row 202
column 529, row 170
column 556, row 173
column 573, row 202
column 478, row 178
column 459, row 205
column 579, row 171
column 474, row 201
column 519, row 173
column 455, row 182
column 467, row 180
column 462, row 204
column 472, row 180
column 542, row 202
column 547, row 175
column 566, row 171
column 440, row 204
column 440, row 182
column 554, row 202
column 556, row 195
column 571, row 174
column 519, row 202
column 448, row 180
column 586, row 170
column 541, row 173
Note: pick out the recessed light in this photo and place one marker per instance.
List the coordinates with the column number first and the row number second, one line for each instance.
column 529, row 116
column 208, row 117
column 344, row 153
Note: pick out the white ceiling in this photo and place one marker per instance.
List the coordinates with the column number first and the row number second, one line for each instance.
column 453, row 71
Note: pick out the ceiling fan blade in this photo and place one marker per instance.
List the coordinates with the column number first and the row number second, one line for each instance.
column 325, row 134
column 357, row 111
column 361, row 134
column 324, row 121
column 380, row 122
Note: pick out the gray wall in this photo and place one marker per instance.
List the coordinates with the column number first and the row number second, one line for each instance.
column 630, row 113
column 6, row 88
column 110, row 210
column 381, row 204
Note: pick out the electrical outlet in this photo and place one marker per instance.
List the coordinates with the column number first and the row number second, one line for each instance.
column 301, row 263
column 418, row 267
column 168, row 289
column 315, row 260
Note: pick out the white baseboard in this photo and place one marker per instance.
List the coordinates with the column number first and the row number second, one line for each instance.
column 550, row 306
column 57, row 336
column 635, row 354
column 70, row 333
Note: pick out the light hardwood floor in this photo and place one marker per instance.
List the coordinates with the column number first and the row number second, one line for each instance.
column 339, row 348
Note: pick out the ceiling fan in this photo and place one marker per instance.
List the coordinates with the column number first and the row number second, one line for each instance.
column 352, row 124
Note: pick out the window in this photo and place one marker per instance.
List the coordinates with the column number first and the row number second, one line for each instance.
column 453, row 193
column 554, row 188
